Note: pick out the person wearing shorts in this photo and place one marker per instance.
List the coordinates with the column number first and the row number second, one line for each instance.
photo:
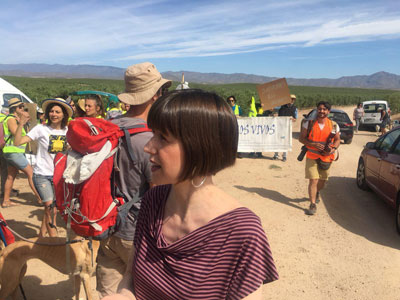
column 51, row 138
column 322, row 138
column 14, row 154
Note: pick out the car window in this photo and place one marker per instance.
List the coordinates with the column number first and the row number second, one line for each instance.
column 387, row 142
column 7, row 97
column 397, row 149
column 373, row 108
column 339, row 117
column 311, row 115
column 25, row 100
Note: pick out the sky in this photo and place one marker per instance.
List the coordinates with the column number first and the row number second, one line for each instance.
column 285, row 38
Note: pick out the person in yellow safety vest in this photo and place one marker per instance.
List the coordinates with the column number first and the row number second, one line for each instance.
column 237, row 110
column 15, row 155
column 253, row 109
column 114, row 111
column 3, row 167
column 321, row 136
column 3, row 163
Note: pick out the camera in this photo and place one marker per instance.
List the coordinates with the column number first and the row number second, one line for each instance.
column 302, row 153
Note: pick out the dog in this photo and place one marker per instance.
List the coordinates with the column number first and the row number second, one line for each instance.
column 52, row 251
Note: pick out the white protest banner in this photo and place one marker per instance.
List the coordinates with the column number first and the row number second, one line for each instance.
column 265, row 134
column 274, row 93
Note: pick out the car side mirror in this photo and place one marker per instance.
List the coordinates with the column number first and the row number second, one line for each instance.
column 370, row 145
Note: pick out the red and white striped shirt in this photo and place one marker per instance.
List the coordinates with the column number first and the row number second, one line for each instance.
column 228, row 258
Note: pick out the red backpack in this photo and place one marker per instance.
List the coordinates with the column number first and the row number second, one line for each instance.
column 82, row 176
column 5, row 234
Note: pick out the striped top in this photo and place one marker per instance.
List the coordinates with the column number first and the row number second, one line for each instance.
column 228, row 258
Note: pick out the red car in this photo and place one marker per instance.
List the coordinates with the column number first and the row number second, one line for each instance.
column 379, row 169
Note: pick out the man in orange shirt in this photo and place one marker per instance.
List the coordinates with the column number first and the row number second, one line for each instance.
column 321, row 136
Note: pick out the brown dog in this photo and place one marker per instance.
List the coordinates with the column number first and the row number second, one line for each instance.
column 13, row 260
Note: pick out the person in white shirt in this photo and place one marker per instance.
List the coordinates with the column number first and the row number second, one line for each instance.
column 51, row 139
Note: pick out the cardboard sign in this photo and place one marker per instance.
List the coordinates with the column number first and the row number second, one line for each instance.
column 274, row 93
column 265, row 134
column 32, row 146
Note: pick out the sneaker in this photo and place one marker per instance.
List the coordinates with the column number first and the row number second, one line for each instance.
column 317, row 200
column 311, row 210
column 284, row 159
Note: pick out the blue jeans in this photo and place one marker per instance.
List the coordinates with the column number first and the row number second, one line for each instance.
column 44, row 186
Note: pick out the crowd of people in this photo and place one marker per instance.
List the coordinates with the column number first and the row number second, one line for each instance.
column 192, row 229
column 183, row 237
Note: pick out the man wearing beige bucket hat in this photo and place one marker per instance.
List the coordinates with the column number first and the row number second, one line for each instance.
column 143, row 86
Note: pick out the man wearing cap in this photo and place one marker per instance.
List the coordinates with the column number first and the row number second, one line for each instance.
column 287, row 110
column 143, row 86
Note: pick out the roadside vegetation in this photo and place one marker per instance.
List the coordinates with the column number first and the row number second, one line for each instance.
column 39, row 89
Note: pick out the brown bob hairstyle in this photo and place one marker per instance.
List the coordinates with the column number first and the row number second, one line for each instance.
column 205, row 125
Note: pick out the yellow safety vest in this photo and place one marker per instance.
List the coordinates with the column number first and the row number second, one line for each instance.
column 236, row 111
column 9, row 138
column 253, row 110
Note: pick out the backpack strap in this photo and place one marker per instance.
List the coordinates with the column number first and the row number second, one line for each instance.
column 131, row 130
column 310, row 126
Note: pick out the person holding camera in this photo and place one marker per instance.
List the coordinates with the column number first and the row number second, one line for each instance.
column 321, row 137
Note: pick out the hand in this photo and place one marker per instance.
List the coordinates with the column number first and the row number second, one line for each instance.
column 23, row 118
column 319, row 146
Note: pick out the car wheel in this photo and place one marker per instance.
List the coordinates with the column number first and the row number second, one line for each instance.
column 361, row 182
column 398, row 215
column 348, row 141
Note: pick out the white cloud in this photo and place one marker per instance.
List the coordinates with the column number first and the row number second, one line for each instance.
column 118, row 31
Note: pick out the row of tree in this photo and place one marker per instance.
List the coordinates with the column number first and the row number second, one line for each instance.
column 39, row 89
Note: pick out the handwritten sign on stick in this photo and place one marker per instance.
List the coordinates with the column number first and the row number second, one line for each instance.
column 274, row 93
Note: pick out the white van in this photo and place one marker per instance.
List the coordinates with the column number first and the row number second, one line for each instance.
column 8, row 91
column 372, row 113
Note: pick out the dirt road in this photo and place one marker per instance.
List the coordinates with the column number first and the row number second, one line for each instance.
column 348, row 250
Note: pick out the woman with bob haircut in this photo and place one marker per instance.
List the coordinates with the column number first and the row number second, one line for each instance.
column 192, row 240
column 51, row 140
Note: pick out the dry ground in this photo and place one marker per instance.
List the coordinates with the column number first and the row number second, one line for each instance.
column 348, row 250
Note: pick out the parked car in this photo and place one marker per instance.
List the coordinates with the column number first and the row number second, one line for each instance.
column 372, row 114
column 341, row 118
column 379, row 169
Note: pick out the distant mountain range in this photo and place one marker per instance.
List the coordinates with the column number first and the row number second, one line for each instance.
column 380, row 80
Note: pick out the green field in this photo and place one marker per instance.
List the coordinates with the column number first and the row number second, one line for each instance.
column 39, row 89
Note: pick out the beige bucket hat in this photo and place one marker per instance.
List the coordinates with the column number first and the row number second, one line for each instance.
column 59, row 101
column 142, row 81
